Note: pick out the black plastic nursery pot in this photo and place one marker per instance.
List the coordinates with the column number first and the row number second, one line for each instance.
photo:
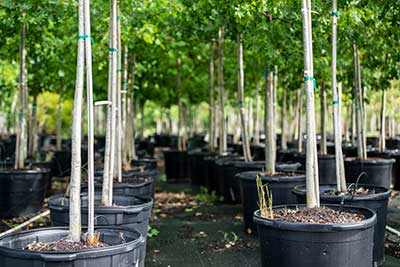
column 373, row 171
column 378, row 202
column 390, row 154
column 211, row 174
column 288, row 244
column 22, row 192
column 326, row 167
column 62, row 161
column 197, row 166
column 280, row 185
column 127, row 211
column 258, row 151
column 126, row 248
column 176, row 167
column 228, row 185
column 146, row 163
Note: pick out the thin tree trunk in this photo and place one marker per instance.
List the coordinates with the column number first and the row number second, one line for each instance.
column 256, row 132
column 107, row 191
column 181, row 111
column 124, row 91
column 59, row 123
column 221, row 95
column 382, row 136
column 347, row 124
column 275, row 110
column 299, row 122
column 284, row 121
column 245, row 140
column 89, row 89
column 311, row 157
column 323, row 147
column 119, row 100
column 21, row 118
column 337, row 113
column 33, row 129
column 211, row 114
column 269, row 129
column 75, row 182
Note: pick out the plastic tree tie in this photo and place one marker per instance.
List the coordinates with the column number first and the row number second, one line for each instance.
column 21, row 115
column 335, row 102
column 240, row 103
column 119, row 70
column 310, row 78
column 86, row 36
column 335, row 14
column 113, row 49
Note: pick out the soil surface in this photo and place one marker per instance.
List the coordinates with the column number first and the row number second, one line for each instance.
column 63, row 246
column 358, row 192
column 320, row 215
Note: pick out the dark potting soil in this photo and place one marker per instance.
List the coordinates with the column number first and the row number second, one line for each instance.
column 136, row 180
column 321, row 215
column 279, row 174
column 357, row 192
column 63, row 246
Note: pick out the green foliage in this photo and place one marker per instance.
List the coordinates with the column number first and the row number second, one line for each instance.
column 209, row 198
column 152, row 232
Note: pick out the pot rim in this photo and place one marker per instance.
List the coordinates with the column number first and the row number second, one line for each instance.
column 374, row 161
column 298, row 190
column 308, row 227
column 251, row 176
column 69, row 255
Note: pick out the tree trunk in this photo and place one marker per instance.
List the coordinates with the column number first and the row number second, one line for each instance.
column 75, row 182
column 245, row 140
column 275, row 110
column 323, row 147
column 20, row 148
column 269, row 129
column 89, row 89
column 347, row 124
column 119, row 101
column 311, row 157
column 221, row 95
column 131, row 114
column 337, row 113
column 181, row 110
column 59, row 123
column 33, row 129
column 124, row 91
column 382, row 136
column 109, row 158
column 284, row 121
column 211, row 114
column 256, row 132
column 299, row 121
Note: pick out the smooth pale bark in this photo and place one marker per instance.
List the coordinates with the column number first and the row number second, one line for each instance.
column 181, row 109
column 109, row 158
column 20, row 147
column 311, row 157
column 299, row 121
column 59, row 123
column 382, row 136
column 269, row 129
column 90, row 122
column 221, row 94
column 361, row 153
column 211, row 102
column 243, row 124
column 33, row 129
column 119, row 135
column 347, row 122
column 323, row 147
column 256, row 129
column 132, row 107
column 284, row 120
column 124, row 91
column 292, row 119
column 337, row 113
column 75, row 182
column 275, row 110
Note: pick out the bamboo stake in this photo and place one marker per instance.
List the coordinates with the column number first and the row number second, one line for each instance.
column 256, row 132
column 119, row 101
column 26, row 223
column 299, row 120
column 323, row 147
column 91, row 238
column 221, row 95
column 283, row 120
